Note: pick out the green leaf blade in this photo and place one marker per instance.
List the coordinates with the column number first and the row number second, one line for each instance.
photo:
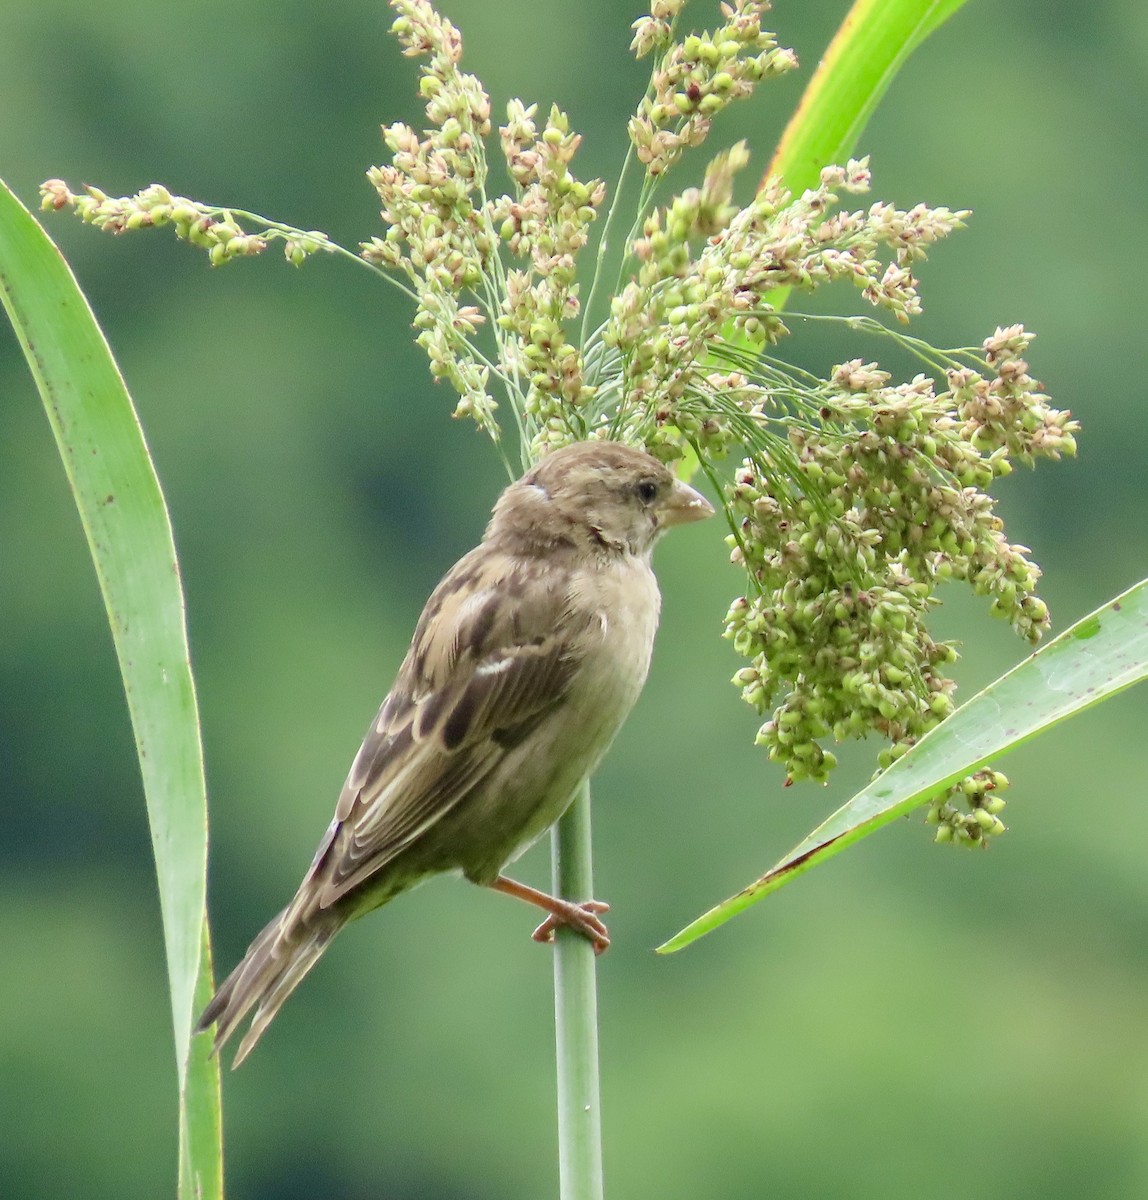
column 1101, row 655
column 126, row 524
column 874, row 40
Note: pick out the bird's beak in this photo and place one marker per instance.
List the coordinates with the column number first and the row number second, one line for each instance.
column 683, row 505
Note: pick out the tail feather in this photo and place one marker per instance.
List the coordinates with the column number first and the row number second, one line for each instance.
column 271, row 970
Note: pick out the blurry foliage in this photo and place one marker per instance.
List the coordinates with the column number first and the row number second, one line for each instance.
column 296, row 434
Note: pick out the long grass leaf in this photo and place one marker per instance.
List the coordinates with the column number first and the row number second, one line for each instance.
column 868, row 50
column 1097, row 657
column 125, row 520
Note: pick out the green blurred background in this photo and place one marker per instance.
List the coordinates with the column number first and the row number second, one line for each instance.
column 910, row 1021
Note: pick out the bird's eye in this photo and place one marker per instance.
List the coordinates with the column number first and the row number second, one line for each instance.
column 647, row 491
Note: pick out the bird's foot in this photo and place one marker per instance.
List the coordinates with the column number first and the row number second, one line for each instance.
column 582, row 918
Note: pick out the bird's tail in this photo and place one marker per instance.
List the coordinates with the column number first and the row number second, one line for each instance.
column 271, row 970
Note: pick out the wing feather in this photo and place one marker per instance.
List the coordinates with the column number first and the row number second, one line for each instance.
column 493, row 654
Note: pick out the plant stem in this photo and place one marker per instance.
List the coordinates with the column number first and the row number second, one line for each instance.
column 576, row 1015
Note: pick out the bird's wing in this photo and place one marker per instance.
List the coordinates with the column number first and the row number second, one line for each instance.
column 494, row 653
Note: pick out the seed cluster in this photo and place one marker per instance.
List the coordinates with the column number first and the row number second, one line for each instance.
column 707, row 272
column 547, row 222
column 443, row 234
column 843, row 569
column 216, row 230
column 694, row 79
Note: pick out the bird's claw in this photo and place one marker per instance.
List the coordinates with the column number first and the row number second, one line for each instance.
column 583, row 919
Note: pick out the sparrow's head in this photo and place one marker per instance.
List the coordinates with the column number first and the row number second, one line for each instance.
column 600, row 494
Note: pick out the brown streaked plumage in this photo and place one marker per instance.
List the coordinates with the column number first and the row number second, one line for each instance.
column 525, row 662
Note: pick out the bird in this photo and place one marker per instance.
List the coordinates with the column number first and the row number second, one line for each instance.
column 525, row 662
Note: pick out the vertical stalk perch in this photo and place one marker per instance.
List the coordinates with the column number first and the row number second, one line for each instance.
column 576, row 1015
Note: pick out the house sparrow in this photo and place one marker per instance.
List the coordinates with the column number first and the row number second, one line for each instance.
column 525, row 662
